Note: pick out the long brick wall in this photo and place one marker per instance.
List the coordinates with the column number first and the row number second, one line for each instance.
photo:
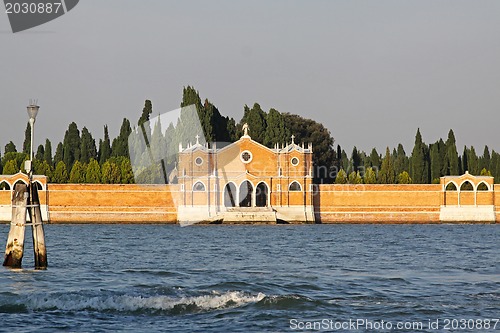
column 378, row 203
column 77, row 203
column 81, row 203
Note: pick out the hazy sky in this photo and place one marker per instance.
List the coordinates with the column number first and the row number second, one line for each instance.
column 371, row 71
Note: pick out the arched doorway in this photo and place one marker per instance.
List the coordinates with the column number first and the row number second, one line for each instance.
column 261, row 195
column 246, row 191
column 230, row 195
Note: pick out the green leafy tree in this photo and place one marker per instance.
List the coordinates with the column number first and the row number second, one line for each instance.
column 324, row 155
column 127, row 176
column 341, row 177
column 386, row 173
column 71, row 145
column 110, row 173
column 105, row 147
column 485, row 172
column 43, row 168
column 77, row 174
column 355, row 178
column 10, row 168
column 10, row 148
column 60, row 173
column 93, row 172
column 404, row 178
column 370, row 176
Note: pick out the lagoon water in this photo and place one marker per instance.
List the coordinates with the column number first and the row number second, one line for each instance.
column 150, row 278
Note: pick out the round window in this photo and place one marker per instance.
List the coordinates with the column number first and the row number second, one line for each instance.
column 295, row 161
column 246, row 156
column 198, row 161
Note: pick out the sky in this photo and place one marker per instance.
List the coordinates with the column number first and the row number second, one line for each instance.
column 371, row 71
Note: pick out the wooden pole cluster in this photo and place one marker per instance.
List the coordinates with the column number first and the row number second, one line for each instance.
column 25, row 201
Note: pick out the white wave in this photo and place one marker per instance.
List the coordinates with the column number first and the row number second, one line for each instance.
column 75, row 302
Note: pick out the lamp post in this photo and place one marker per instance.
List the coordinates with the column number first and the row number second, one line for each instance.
column 32, row 113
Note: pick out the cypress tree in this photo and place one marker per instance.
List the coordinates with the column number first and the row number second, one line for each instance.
column 485, row 159
column 355, row 178
column 127, row 176
column 256, row 120
column 375, row 160
column 146, row 112
column 386, row 174
column 39, row 153
column 104, row 147
column 88, row 149
column 435, row 163
column 451, row 156
column 110, row 172
column 120, row 143
column 71, row 145
column 473, row 161
column 417, row 162
column 276, row 132
column 58, row 157
column 401, row 161
column 355, row 159
column 27, row 139
column 47, row 154
column 465, row 160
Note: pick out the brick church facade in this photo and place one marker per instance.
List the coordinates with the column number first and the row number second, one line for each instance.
column 245, row 182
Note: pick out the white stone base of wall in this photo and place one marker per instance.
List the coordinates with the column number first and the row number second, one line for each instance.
column 6, row 213
column 295, row 214
column 467, row 214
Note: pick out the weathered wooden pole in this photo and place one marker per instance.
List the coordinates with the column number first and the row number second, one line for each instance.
column 37, row 229
column 15, row 242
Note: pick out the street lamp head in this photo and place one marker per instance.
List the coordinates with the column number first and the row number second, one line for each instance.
column 33, row 111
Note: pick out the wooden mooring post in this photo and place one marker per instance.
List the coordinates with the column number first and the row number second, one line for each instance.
column 23, row 203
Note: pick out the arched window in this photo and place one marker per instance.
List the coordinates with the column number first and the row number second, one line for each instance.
column 230, row 195
column 466, row 186
column 294, row 186
column 4, row 186
column 246, row 191
column 451, row 187
column 483, row 187
column 261, row 194
column 199, row 187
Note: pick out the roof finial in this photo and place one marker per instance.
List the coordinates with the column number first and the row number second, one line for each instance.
column 197, row 139
column 293, row 138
